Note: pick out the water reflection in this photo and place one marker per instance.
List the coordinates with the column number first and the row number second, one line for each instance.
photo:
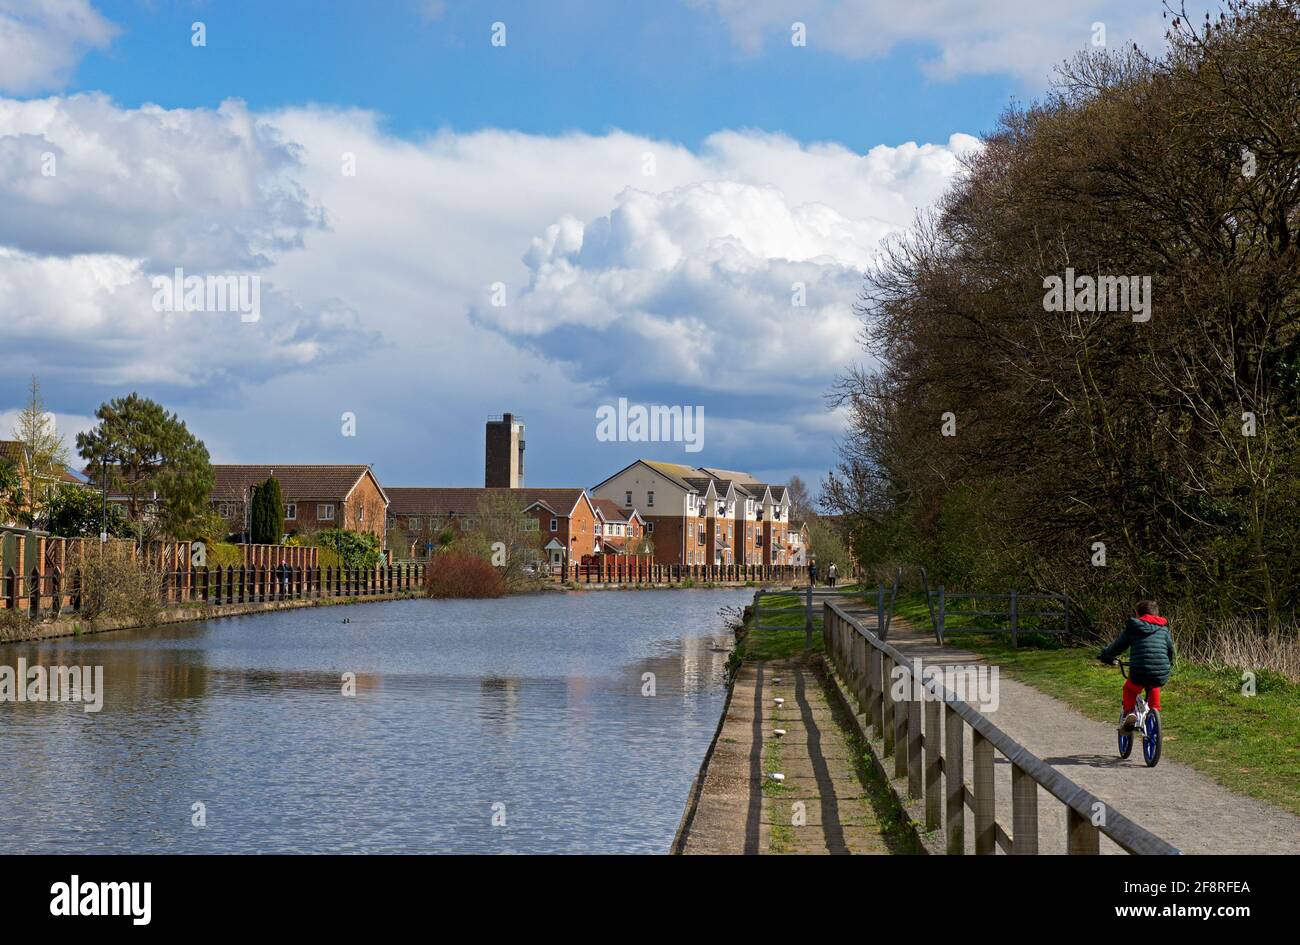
column 535, row 704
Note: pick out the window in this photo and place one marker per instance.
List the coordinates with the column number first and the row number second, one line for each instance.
column 650, row 499
column 530, row 524
column 325, row 512
column 414, row 524
column 595, row 529
column 291, row 511
column 555, row 524
column 758, row 540
column 361, row 514
column 628, row 500
column 650, row 526
column 226, row 509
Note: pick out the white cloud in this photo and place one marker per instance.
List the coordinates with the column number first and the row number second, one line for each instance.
column 719, row 285
column 1025, row 38
column 192, row 187
column 672, row 284
column 41, row 41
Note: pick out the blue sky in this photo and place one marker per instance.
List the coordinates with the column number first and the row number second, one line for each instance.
column 620, row 202
column 662, row 69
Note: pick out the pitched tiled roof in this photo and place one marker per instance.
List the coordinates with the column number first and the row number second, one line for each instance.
column 297, row 481
column 675, row 472
column 610, row 510
column 743, row 478
column 433, row 500
column 11, row 451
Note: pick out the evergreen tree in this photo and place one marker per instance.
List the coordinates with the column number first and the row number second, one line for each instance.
column 268, row 513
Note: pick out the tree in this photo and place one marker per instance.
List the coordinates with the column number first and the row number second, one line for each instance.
column 505, row 536
column 801, row 504
column 45, row 456
column 11, row 492
column 74, row 512
column 268, row 513
column 149, row 450
column 1142, row 437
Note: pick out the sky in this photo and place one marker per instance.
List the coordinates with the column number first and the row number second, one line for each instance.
column 457, row 209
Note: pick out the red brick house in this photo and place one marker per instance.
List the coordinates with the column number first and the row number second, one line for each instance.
column 620, row 529
column 567, row 523
column 316, row 497
column 13, row 452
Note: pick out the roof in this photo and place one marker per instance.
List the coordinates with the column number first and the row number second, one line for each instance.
column 610, row 510
column 439, row 501
column 701, row 484
column 297, row 481
column 743, row 478
column 674, row 472
column 11, row 451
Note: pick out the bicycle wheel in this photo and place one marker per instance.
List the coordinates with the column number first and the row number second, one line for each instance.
column 1125, row 740
column 1151, row 743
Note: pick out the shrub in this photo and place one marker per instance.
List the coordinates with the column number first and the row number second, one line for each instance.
column 223, row 555
column 116, row 584
column 462, row 574
column 354, row 549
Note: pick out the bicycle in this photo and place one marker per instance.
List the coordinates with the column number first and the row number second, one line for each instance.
column 1148, row 726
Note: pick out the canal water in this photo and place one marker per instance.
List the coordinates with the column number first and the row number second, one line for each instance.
column 519, row 725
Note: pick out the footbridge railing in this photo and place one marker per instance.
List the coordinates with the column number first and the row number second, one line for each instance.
column 924, row 731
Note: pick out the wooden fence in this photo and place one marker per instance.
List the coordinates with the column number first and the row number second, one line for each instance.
column 642, row 570
column 55, row 593
column 925, row 734
column 1013, row 613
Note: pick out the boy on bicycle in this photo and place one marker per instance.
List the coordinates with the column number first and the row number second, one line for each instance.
column 1152, row 659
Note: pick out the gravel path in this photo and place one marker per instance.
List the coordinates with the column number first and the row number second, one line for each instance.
column 1175, row 802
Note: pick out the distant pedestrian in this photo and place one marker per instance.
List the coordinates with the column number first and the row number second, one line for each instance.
column 812, row 571
column 830, row 575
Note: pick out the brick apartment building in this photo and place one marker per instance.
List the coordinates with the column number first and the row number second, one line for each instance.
column 316, row 497
column 704, row 515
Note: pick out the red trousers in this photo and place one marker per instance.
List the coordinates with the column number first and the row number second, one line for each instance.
column 1131, row 691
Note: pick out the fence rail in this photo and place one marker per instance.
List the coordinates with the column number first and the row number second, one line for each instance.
column 54, row 594
column 925, row 733
column 640, row 570
column 939, row 599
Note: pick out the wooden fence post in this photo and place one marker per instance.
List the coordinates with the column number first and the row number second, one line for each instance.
column 940, row 623
column 901, row 713
column 914, row 738
column 954, row 772
column 1024, row 813
column 933, row 779
column 985, row 839
column 1082, row 838
column 887, row 729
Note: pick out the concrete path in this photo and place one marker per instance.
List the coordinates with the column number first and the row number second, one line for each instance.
column 1173, row 801
column 821, row 806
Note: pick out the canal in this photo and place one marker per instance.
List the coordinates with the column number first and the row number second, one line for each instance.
column 515, row 725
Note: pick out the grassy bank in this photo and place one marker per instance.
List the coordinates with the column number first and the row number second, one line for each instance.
column 1249, row 743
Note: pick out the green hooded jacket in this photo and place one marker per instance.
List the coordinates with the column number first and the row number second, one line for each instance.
column 1152, row 659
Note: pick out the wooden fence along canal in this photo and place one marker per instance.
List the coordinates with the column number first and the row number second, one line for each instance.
column 924, row 731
